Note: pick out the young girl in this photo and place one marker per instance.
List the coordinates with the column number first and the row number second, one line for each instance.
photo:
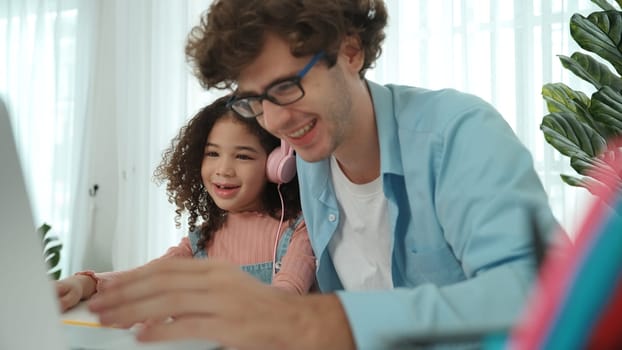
column 234, row 212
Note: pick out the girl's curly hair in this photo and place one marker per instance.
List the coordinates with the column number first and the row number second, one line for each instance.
column 181, row 170
column 231, row 33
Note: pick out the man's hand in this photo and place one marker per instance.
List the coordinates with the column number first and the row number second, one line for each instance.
column 219, row 302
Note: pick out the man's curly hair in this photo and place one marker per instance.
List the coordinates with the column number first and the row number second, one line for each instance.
column 181, row 170
column 231, row 33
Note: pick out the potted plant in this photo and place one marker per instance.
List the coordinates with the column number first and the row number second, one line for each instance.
column 588, row 129
column 51, row 250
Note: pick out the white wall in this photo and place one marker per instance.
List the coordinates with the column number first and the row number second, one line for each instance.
column 103, row 169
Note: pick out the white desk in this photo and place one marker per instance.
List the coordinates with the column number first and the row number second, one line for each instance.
column 80, row 314
column 90, row 336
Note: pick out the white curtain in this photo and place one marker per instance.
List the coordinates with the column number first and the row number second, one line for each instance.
column 155, row 95
column 46, row 64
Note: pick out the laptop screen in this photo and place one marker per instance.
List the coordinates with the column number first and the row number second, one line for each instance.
column 30, row 313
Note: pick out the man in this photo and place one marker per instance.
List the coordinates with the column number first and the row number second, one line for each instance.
column 420, row 204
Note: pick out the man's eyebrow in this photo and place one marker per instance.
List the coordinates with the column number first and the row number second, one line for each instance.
column 241, row 93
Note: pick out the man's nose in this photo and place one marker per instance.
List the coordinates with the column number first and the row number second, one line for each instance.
column 274, row 116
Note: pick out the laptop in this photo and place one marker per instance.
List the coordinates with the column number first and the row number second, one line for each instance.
column 30, row 315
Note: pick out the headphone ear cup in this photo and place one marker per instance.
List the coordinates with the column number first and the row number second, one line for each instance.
column 281, row 164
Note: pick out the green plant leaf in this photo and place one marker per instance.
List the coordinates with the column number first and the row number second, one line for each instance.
column 54, row 250
column 43, row 229
column 561, row 98
column 594, row 186
column 589, row 166
column 49, row 241
column 606, row 108
column 604, row 4
column 589, row 69
column 51, row 250
column 573, row 181
column 53, row 259
column 55, row 274
column 598, row 168
column 586, row 117
column 581, row 165
column 600, row 33
column 571, row 137
column 588, row 129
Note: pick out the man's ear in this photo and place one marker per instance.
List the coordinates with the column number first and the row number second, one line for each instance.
column 351, row 53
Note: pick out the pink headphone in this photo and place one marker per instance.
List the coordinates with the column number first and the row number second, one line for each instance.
column 281, row 164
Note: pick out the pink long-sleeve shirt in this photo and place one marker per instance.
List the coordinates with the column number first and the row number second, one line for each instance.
column 248, row 238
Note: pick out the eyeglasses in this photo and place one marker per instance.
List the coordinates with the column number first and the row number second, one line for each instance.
column 283, row 92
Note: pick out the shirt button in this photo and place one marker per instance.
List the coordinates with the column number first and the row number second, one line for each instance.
column 332, row 217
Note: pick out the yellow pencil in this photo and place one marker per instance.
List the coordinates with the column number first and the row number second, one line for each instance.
column 82, row 323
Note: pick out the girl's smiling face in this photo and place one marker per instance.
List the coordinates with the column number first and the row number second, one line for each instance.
column 234, row 166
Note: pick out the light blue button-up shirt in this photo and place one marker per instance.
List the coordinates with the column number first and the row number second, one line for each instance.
column 463, row 196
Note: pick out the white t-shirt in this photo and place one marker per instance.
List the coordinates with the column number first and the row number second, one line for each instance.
column 361, row 247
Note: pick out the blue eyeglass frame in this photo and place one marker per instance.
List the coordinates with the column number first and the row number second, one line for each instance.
column 265, row 96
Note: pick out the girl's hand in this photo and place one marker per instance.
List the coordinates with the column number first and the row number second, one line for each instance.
column 70, row 290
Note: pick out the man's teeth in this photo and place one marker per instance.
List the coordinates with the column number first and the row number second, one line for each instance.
column 300, row 132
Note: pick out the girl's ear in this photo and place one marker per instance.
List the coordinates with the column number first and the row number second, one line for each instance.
column 351, row 53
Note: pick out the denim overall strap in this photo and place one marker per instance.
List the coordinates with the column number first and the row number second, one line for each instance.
column 261, row 271
column 194, row 240
column 285, row 240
